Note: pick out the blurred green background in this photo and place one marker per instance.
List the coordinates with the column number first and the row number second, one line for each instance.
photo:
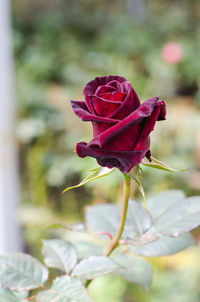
column 59, row 46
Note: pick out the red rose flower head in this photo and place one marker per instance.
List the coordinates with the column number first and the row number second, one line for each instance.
column 121, row 124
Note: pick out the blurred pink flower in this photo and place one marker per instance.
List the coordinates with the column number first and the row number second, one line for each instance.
column 172, row 53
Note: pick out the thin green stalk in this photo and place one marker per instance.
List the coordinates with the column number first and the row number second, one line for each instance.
column 115, row 240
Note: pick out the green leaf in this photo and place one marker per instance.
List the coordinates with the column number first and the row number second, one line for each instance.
column 22, row 295
column 159, row 203
column 94, row 267
column 180, row 218
column 76, row 227
column 156, row 164
column 21, row 272
column 138, row 220
column 86, row 249
column 65, row 290
column 103, row 218
column 164, row 246
column 59, row 254
column 7, row 296
column 134, row 269
column 99, row 173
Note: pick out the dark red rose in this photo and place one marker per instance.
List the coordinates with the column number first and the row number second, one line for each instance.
column 121, row 124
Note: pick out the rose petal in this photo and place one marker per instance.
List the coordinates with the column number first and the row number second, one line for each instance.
column 129, row 104
column 135, row 117
column 89, row 103
column 149, row 123
column 106, row 103
column 162, row 115
column 81, row 110
column 92, row 86
column 102, row 106
column 104, row 89
column 111, row 87
column 116, row 85
column 99, row 127
column 124, row 160
column 115, row 96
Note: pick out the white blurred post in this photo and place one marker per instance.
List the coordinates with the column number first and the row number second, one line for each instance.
column 10, row 239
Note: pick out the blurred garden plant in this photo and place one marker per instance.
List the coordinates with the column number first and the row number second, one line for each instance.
column 158, row 227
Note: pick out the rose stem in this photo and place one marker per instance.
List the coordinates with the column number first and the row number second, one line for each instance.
column 115, row 241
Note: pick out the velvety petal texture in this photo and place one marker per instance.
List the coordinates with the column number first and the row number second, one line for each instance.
column 121, row 124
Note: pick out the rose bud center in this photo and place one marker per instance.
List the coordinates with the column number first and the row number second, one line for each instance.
column 106, row 103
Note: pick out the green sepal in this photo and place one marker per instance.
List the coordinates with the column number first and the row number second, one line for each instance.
column 157, row 164
column 97, row 173
column 138, row 180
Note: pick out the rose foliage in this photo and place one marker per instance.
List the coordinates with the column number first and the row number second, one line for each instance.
column 164, row 232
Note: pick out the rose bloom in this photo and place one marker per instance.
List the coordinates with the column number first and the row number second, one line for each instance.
column 121, row 124
column 172, row 53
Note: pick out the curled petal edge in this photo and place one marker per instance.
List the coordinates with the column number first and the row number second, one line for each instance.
column 92, row 86
column 81, row 110
column 123, row 160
